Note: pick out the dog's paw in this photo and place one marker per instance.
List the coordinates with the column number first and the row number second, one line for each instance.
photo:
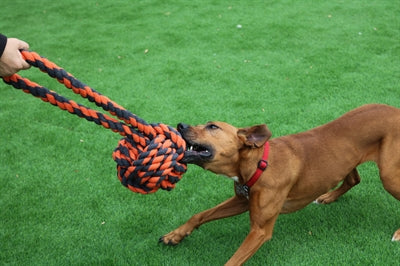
column 396, row 236
column 326, row 198
column 173, row 238
column 167, row 242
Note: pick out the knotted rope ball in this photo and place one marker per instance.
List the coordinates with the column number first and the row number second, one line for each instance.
column 148, row 157
column 145, row 169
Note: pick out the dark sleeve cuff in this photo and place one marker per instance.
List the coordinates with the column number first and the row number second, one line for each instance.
column 3, row 42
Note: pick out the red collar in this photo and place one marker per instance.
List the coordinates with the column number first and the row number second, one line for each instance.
column 262, row 165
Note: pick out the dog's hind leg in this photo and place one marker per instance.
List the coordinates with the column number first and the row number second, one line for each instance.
column 394, row 189
column 350, row 181
column 391, row 182
column 396, row 235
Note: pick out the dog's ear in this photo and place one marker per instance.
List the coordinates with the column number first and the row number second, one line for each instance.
column 254, row 136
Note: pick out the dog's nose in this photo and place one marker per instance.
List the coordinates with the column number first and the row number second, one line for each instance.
column 182, row 126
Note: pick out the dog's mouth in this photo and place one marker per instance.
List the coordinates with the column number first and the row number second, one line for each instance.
column 197, row 153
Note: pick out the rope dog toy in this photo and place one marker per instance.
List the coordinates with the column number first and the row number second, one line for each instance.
column 148, row 157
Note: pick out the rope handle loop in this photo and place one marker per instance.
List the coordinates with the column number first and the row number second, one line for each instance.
column 148, row 157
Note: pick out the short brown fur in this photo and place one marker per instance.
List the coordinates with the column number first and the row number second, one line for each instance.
column 303, row 167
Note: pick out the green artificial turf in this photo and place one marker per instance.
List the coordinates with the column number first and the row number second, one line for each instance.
column 291, row 64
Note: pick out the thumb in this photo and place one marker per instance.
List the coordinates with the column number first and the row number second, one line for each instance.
column 23, row 45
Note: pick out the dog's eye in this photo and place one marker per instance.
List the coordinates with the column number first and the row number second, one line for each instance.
column 212, row 126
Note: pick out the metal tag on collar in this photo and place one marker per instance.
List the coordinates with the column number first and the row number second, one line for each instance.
column 242, row 190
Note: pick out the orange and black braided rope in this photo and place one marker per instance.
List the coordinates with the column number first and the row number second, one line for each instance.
column 148, row 157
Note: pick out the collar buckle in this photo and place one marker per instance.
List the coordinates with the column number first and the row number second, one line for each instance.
column 262, row 165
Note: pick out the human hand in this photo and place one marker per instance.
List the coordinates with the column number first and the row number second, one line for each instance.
column 11, row 61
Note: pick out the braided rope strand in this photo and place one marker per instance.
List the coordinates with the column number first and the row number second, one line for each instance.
column 148, row 157
column 85, row 91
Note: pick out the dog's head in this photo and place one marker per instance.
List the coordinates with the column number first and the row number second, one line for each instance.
column 216, row 146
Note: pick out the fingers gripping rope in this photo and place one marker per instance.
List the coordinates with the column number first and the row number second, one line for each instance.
column 148, row 157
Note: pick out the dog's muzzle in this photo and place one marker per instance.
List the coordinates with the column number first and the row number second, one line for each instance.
column 196, row 153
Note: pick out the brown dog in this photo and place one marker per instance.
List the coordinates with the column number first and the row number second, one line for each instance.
column 301, row 168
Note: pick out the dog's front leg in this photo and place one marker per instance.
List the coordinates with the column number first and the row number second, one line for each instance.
column 233, row 206
column 254, row 240
column 264, row 207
